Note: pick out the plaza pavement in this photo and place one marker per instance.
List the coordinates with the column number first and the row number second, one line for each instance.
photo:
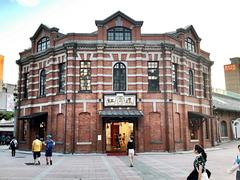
column 147, row 166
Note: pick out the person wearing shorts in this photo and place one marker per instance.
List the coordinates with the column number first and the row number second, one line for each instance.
column 36, row 149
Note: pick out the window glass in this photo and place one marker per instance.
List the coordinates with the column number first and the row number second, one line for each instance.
column 153, row 76
column 25, row 84
column 119, row 34
column 43, row 44
column 190, row 45
column 119, row 77
column 175, row 77
column 85, row 76
column 61, row 82
column 191, row 83
column 42, row 83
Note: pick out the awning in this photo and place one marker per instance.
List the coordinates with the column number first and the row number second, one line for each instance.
column 197, row 115
column 121, row 113
column 6, row 129
column 34, row 116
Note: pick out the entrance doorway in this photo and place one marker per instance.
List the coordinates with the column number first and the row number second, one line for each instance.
column 117, row 135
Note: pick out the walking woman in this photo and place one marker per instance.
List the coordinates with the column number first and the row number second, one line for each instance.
column 199, row 164
column 130, row 148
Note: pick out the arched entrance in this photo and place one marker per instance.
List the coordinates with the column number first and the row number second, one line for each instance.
column 236, row 128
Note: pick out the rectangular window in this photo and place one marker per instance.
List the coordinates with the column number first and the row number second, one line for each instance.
column 61, row 75
column 85, row 76
column 191, row 83
column 25, row 85
column 204, row 85
column 175, row 77
column 153, row 76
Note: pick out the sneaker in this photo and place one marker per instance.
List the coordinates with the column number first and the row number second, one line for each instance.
column 131, row 165
column 50, row 162
column 47, row 163
column 39, row 163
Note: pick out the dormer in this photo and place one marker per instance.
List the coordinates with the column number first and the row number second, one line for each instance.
column 43, row 38
column 189, row 39
column 119, row 27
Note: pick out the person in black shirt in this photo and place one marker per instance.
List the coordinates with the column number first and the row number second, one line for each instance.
column 199, row 164
column 130, row 147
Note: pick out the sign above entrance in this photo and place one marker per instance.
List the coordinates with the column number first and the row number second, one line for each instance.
column 119, row 100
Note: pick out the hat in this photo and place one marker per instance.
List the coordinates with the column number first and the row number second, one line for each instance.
column 49, row 136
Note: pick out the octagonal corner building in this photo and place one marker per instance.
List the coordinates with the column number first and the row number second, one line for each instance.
column 92, row 91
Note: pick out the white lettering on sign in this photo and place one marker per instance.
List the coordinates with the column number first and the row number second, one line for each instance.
column 120, row 100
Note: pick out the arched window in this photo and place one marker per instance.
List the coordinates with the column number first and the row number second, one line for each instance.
column 190, row 45
column 42, row 84
column 224, row 132
column 119, row 77
column 119, row 34
column 43, row 44
column 191, row 83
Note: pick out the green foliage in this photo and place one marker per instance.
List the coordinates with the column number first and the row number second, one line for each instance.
column 6, row 115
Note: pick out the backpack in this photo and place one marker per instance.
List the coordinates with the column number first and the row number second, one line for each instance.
column 50, row 145
column 12, row 144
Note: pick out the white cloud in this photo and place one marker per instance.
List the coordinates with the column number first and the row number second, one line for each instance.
column 30, row 3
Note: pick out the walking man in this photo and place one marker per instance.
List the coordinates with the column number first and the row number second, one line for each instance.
column 130, row 147
column 13, row 146
column 36, row 149
column 49, row 144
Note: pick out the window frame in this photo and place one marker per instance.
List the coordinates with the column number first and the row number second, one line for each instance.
column 119, row 77
column 190, row 44
column 42, row 83
column 204, row 85
column 25, row 85
column 61, row 78
column 191, row 83
column 85, row 76
column 43, row 44
column 125, row 34
column 153, row 71
column 175, row 77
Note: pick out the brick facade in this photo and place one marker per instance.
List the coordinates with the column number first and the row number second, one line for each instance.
column 73, row 117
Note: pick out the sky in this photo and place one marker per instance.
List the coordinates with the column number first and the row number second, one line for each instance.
column 215, row 21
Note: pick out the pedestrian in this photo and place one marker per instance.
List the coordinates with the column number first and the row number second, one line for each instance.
column 199, row 165
column 236, row 165
column 13, row 146
column 130, row 148
column 49, row 144
column 36, row 149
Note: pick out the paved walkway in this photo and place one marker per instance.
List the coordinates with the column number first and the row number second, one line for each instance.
column 147, row 166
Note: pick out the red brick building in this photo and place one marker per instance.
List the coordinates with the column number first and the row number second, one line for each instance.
column 93, row 91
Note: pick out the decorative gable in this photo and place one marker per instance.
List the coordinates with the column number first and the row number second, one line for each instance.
column 43, row 30
column 118, row 17
column 189, row 31
column 43, row 38
column 119, row 24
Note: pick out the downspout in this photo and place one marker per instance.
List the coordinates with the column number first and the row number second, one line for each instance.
column 74, row 99
column 165, row 98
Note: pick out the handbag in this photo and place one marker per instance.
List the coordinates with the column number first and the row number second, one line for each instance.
column 205, row 176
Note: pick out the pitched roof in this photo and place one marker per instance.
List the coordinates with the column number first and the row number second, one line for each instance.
column 226, row 101
column 41, row 27
column 185, row 30
column 113, row 16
